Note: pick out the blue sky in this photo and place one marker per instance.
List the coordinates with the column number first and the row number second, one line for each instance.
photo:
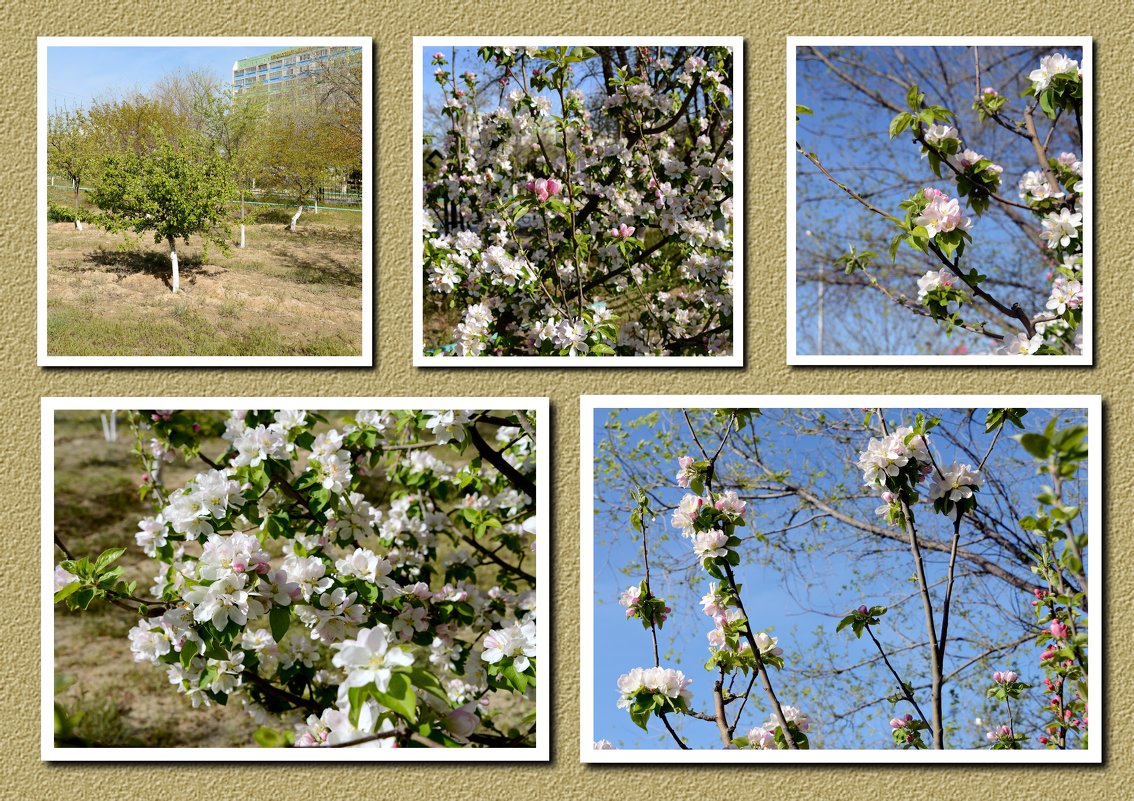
column 78, row 75
column 849, row 134
column 467, row 60
column 785, row 603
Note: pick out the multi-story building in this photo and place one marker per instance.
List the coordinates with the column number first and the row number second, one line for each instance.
column 277, row 72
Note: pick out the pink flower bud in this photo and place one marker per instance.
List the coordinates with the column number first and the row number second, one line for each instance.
column 1010, row 677
column 553, row 186
column 439, row 55
column 1043, row 740
column 888, row 497
column 988, row 90
column 1059, row 630
column 998, row 677
column 862, row 610
column 897, row 723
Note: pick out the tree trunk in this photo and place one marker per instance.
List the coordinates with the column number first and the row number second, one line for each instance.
column 173, row 262
column 295, row 219
column 78, row 222
column 242, row 218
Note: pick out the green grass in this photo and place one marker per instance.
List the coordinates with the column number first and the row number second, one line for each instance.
column 285, row 294
column 73, row 331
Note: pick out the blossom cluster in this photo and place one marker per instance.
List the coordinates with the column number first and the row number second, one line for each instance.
column 763, row 737
column 671, row 683
column 896, row 464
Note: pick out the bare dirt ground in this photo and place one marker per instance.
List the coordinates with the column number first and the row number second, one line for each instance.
column 123, row 702
column 284, row 294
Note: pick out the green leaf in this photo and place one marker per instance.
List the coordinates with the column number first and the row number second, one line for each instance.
column 280, row 621
column 914, row 98
column 84, row 597
column 900, row 123
column 357, row 697
column 424, row 680
column 188, row 651
column 67, row 591
column 399, row 697
column 1037, row 445
column 106, row 557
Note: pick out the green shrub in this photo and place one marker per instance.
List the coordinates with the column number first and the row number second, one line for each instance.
column 56, row 212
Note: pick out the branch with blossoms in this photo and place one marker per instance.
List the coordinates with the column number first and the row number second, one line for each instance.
column 710, row 521
column 351, row 580
column 933, row 222
column 569, row 224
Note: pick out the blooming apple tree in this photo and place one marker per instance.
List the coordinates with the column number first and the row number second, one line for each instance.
column 350, row 580
column 580, row 202
column 937, row 497
column 961, row 215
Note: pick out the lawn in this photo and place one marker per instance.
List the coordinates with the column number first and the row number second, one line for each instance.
column 284, row 294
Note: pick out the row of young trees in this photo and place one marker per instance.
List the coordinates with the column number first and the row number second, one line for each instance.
column 182, row 158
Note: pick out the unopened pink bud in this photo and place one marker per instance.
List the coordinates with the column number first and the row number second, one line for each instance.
column 862, row 610
column 1010, row 677
column 897, row 723
column 553, row 186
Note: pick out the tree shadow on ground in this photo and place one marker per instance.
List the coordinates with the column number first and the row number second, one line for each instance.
column 124, row 263
column 329, row 271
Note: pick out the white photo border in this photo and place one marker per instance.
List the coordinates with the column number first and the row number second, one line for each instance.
column 49, row 752
column 590, row 404
column 734, row 359
column 1083, row 359
column 364, row 359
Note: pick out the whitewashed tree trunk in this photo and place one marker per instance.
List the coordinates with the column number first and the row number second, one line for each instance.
column 78, row 222
column 173, row 262
column 242, row 218
column 295, row 219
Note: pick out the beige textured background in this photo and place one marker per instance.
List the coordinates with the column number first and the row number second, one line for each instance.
column 392, row 24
